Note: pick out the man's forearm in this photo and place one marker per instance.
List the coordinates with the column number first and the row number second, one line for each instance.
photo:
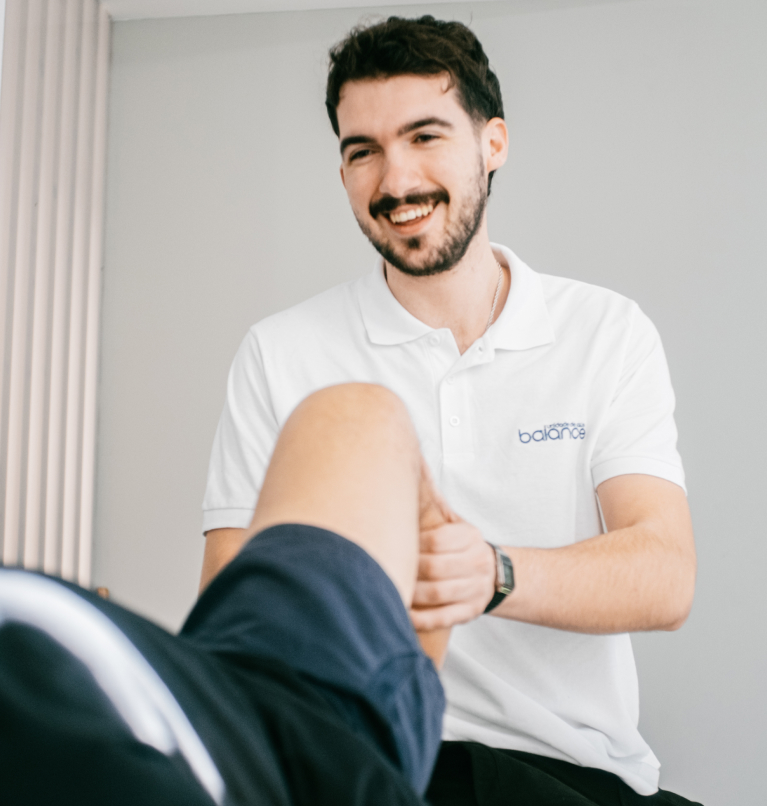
column 221, row 547
column 627, row 580
column 640, row 575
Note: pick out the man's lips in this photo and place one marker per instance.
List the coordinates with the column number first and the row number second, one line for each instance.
column 404, row 215
column 407, row 209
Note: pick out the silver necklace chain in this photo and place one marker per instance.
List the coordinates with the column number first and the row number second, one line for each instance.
column 495, row 298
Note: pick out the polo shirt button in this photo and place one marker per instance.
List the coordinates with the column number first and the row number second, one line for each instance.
column 451, row 379
column 455, row 420
column 480, row 348
column 434, row 341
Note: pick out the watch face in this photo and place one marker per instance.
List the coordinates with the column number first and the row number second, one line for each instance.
column 500, row 575
column 505, row 573
column 504, row 578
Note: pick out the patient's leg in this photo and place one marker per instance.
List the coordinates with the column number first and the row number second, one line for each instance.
column 348, row 461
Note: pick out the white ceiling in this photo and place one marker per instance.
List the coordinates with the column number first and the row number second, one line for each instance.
column 145, row 9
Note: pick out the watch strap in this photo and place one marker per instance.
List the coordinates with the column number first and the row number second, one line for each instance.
column 504, row 578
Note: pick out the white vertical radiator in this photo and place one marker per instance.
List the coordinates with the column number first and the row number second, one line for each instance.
column 52, row 162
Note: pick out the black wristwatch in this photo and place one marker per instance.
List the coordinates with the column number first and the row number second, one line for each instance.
column 504, row 578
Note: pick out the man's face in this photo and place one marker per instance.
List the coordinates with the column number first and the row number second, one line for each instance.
column 415, row 168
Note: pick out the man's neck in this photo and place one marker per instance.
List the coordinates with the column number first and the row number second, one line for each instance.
column 460, row 299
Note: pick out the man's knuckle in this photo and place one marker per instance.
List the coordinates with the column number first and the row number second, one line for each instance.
column 428, row 594
column 427, row 541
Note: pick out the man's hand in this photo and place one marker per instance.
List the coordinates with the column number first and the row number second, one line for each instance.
column 456, row 571
column 640, row 575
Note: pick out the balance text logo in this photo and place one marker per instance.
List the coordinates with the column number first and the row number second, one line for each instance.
column 555, row 431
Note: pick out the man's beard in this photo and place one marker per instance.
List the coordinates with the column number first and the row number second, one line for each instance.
column 457, row 239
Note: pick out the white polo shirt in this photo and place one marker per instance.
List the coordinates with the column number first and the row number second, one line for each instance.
column 568, row 388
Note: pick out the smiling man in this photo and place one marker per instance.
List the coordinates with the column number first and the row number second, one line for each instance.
column 543, row 408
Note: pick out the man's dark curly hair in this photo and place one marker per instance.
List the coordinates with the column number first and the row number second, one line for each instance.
column 421, row 47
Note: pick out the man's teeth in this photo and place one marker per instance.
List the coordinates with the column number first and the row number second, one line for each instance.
column 412, row 213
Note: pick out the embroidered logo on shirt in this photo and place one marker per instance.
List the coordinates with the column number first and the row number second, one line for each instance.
column 561, row 431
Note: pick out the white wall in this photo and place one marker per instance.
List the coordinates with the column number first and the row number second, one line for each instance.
column 639, row 162
column 2, row 36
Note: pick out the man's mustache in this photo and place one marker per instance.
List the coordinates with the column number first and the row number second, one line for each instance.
column 388, row 203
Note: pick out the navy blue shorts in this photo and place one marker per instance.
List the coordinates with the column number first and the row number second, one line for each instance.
column 322, row 605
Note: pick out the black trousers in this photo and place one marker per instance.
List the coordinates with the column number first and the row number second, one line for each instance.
column 471, row 774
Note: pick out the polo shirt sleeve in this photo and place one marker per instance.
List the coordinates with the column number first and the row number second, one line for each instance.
column 638, row 433
column 243, row 445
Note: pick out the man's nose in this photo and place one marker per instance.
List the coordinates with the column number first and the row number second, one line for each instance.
column 400, row 176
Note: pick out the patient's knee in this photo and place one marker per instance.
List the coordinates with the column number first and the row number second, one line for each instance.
column 357, row 400
column 369, row 406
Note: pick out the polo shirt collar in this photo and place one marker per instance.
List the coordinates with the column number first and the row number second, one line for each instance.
column 523, row 323
column 386, row 321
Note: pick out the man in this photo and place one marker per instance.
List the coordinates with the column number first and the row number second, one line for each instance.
column 297, row 678
column 544, row 411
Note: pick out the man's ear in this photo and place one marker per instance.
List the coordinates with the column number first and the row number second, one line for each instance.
column 343, row 178
column 495, row 139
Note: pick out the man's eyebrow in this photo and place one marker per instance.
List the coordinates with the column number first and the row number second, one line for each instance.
column 354, row 140
column 358, row 139
column 417, row 124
